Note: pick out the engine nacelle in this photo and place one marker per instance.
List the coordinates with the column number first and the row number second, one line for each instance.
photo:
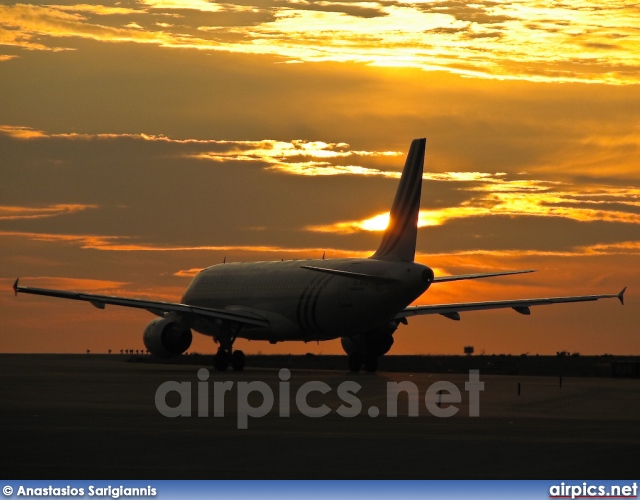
column 376, row 342
column 165, row 339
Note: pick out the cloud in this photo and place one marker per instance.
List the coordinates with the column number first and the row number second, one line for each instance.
column 621, row 248
column 598, row 249
column 487, row 12
column 18, row 132
column 281, row 156
column 334, row 196
column 365, row 10
column 14, row 213
column 497, row 196
column 199, row 5
column 124, row 244
column 101, row 10
column 319, row 158
column 486, row 39
column 85, row 241
column 21, row 24
column 287, row 157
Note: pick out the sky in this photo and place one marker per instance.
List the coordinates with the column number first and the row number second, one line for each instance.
column 141, row 141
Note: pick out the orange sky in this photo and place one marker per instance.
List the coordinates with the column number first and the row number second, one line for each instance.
column 143, row 140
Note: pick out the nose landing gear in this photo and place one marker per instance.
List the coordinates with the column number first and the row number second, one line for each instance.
column 226, row 355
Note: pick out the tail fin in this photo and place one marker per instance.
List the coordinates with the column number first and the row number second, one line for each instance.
column 399, row 239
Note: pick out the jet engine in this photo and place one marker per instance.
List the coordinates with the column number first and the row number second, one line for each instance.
column 165, row 338
column 375, row 342
column 369, row 346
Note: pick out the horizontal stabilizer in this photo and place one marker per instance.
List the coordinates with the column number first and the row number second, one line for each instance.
column 349, row 274
column 459, row 277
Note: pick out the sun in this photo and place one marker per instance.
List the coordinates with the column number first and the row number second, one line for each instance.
column 376, row 223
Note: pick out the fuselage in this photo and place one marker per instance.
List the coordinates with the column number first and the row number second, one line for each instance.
column 305, row 304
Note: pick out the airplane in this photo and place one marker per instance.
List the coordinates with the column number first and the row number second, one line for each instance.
column 362, row 301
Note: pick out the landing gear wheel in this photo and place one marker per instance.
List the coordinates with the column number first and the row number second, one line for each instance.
column 371, row 363
column 221, row 361
column 355, row 362
column 237, row 360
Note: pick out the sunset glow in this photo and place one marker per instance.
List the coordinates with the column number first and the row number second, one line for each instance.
column 142, row 141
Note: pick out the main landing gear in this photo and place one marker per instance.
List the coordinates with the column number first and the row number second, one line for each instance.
column 365, row 349
column 226, row 357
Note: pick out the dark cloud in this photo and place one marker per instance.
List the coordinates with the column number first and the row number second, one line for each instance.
column 542, row 234
column 448, row 31
column 354, row 8
column 492, row 34
column 600, row 46
column 463, row 11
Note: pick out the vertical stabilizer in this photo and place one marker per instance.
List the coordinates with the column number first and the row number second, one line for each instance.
column 399, row 239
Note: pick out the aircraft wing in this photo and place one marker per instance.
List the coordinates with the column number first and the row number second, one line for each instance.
column 458, row 277
column 155, row 307
column 452, row 311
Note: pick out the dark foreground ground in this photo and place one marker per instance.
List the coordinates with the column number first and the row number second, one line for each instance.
column 94, row 417
column 568, row 365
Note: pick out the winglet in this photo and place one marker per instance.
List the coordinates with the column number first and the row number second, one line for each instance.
column 621, row 295
column 16, row 288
